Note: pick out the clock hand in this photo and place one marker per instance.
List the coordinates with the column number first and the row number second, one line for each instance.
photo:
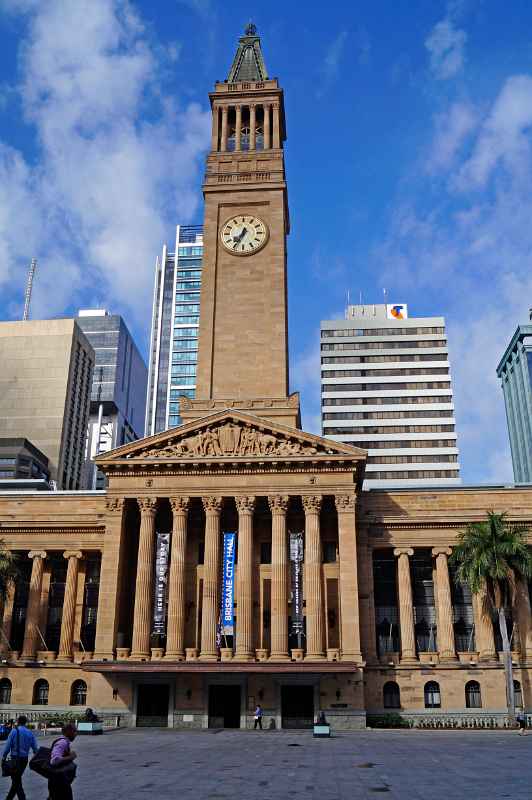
column 238, row 239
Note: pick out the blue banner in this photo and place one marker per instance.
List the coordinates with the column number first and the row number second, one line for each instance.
column 228, row 583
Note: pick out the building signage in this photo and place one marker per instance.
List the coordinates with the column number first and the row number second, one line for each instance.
column 296, row 561
column 161, row 583
column 228, row 583
column 397, row 311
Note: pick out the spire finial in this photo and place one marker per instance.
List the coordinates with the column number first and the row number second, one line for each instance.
column 251, row 29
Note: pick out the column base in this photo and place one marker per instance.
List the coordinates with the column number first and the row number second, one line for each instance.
column 64, row 657
column 279, row 657
column 448, row 658
column 351, row 657
column 488, row 657
column 177, row 656
column 103, row 655
column 211, row 657
column 405, row 660
column 140, row 656
column 246, row 658
column 315, row 657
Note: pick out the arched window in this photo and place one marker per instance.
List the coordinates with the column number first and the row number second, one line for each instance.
column 391, row 695
column 78, row 693
column 40, row 693
column 472, row 695
column 432, row 695
column 518, row 695
column 5, row 691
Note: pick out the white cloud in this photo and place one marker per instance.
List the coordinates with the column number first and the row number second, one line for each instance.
column 452, row 131
column 504, row 137
column 331, row 62
column 468, row 255
column 117, row 165
column 446, row 45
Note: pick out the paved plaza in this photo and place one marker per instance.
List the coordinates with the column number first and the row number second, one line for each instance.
column 212, row 765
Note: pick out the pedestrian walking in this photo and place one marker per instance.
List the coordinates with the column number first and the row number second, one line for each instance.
column 258, row 717
column 19, row 743
column 60, row 785
column 521, row 719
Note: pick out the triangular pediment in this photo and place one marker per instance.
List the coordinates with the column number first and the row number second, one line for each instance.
column 229, row 435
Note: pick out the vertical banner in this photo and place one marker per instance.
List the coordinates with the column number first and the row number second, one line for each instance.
column 296, row 561
column 228, row 584
column 161, row 583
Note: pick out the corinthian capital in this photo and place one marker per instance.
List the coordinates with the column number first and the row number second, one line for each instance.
column 115, row 504
column 179, row 504
column 212, row 504
column 345, row 502
column 147, row 505
column 312, row 503
column 245, row 504
column 278, row 503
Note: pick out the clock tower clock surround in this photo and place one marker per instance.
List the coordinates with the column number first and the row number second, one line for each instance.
column 243, row 336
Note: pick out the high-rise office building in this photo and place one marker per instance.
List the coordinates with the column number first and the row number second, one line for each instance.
column 45, row 385
column 118, row 395
column 386, row 387
column 515, row 372
column 174, row 333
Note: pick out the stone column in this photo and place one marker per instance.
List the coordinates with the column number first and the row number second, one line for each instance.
column 214, row 134
column 140, row 648
column 252, row 127
column 7, row 618
column 113, row 557
column 313, row 578
column 209, row 618
column 31, row 632
column 175, row 639
column 279, row 583
column 524, row 619
column 244, row 628
column 349, row 605
column 484, row 638
column 276, row 127
column 445, row 632
column 238, row 128
column 69, row 605
column 223, row 137
column 406, row 605
column 267, row 142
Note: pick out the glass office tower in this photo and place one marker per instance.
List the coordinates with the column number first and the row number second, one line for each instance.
column 175, row 323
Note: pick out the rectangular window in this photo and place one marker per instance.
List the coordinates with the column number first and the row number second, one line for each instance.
column 190, row 274
column 194, row 297
column 186, row 320
column 183, row 381
column 183, row 286
column 329, row 552
column 188, row 357
column 265, row 552
column 187, row 308
column 175, row 394
column 186, row 333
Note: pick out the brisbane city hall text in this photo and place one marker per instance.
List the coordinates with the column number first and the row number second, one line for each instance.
column 340, row 599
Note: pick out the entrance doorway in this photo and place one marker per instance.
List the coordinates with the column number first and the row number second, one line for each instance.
column 224, row 706
column 152, row 705
column 297, row 706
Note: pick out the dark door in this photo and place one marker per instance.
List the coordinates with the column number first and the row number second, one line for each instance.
column 152, row 705
column 224, row 706
column 297, row 706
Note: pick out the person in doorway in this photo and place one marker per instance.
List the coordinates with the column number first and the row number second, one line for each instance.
column 19, row 743
column 59, row 786
column 258, row 717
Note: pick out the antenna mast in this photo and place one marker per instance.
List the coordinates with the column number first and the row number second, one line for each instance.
column 29, row 285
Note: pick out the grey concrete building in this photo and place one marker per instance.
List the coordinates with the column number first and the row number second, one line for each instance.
column 515, row 372
column 45, row 380
column 118, row 394
column 386, row 387
column 22, row 466
column 175, row 324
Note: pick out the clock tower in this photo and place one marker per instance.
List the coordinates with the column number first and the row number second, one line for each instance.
column 243, row 347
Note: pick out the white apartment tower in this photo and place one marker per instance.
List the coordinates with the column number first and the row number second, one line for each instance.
column 386, row 387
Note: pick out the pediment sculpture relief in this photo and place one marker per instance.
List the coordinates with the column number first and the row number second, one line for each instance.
column 230, row 440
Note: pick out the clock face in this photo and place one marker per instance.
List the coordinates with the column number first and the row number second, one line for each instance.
column 244, row 234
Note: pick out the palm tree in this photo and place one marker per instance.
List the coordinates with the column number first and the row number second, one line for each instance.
column 9, row 571
column 491, row 556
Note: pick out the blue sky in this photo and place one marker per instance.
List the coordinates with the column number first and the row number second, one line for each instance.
column 409, row 165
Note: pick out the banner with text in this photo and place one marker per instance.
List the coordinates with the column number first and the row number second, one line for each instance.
column 296, row 562
column 161, row 583
column 228, row 584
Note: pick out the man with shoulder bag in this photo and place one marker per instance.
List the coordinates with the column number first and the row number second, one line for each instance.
column 19, row 743
column 62, row 767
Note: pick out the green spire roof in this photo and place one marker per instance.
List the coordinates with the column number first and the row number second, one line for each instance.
column 248, row 64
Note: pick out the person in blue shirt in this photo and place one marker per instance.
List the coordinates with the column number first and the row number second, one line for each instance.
column 19, row 743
